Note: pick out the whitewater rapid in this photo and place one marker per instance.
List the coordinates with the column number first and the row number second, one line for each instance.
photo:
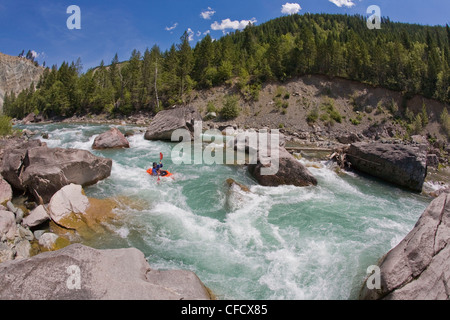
column 272, row 243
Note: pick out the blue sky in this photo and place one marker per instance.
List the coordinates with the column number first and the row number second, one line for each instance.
column 110, row 26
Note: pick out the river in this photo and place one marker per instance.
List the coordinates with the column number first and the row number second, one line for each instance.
column 273, row 243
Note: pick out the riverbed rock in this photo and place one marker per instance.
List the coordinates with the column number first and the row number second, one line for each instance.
column 418, row 267
column 71, row 209
column 112, row 139
column 12, row 161
column 167, row 121
column 67, row 205
column 400, row 164
column 290, row 172
column 36, row 217
column 5, row 191
column 42, row 171
column 7, row 225
column 115, row 274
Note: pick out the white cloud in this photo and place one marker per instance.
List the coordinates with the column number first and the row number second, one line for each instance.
column 290, row 8
column 191, row 34
column 228, row 24
column 345, row 3
column 207, row 14
column 34, row 54
column 172, row 27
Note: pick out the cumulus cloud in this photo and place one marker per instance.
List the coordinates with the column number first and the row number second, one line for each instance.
column 290, row 8
column 228, row 24
column 207, row 14
column 172, row 27
column 191, row 34
column 345, row 3
column 34, row 54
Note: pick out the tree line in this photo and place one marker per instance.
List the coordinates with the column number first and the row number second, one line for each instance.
column 410, row 58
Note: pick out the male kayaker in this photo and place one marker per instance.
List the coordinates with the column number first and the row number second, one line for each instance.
column 156, row 169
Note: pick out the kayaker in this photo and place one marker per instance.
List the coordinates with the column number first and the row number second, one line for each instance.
column 156, row 170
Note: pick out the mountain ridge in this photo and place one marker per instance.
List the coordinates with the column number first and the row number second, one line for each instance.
column 16, row 74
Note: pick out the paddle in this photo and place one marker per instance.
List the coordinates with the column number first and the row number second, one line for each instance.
column 160, row 159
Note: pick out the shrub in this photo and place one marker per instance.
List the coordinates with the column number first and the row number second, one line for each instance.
column 328, row 106
column 445, row 122
column 230, row 109
column 312, row 116
column 210, row 107
column 5, row 125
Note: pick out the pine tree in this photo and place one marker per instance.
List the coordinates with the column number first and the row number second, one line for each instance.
column 185, row 61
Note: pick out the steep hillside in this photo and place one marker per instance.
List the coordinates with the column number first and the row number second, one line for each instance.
column 334, row 107
column 16, row 74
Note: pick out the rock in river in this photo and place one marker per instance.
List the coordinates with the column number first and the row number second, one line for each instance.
column 290, row 172
column 167, row 121
column 112, row 139
column 402, row 165
column 43, row 171
column 418, row 267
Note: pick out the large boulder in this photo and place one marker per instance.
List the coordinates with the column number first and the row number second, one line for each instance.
column 78, row 272
column 402, row 165
column 290, row 172
column 12, row 161
column 418, row 267
column 71, row 209
column 112, row 139
column 167, row 121
column 43, row 171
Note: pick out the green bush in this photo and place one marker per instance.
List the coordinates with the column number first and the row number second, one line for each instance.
column 230, row 109
column 328, row 106
column 210, row 107
column 5, row 125
column 312, row 116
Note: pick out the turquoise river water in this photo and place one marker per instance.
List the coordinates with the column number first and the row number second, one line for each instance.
column 273, row 243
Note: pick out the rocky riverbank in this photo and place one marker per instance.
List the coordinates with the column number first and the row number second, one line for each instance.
column 40, row 231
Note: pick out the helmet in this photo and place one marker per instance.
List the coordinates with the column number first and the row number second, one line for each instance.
column 154, row 164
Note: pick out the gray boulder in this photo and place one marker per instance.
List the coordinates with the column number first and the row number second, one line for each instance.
column 418, row 267
column 402, row 165
column 167, row 121
column 42, row 171
column 36, row 217
column 290, row 172
column 78, row 272
column 12, row 162
column 112, row 139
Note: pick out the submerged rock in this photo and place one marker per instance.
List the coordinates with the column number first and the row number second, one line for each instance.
column 418, row 267
column 402, row 165
column 167, row 121
column 117, row 274
column 112, row 139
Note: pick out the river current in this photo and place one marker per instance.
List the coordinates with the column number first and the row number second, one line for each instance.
column 272, row 243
